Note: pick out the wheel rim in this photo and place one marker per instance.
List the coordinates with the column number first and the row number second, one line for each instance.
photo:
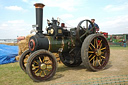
column 98, row 53
column 42, row 66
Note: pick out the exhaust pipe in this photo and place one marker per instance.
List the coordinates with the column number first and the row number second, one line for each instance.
column 39, row 17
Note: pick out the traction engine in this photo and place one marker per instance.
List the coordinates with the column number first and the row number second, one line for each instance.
column 75, row 46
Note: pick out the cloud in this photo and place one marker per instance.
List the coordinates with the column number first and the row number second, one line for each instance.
column 66, row 16
column 68, row 5
column 1, row 6
column 15, row 8
column 115, row 25
column 25, row 0
column 75, row 22
column 13, row 28
column 4, row 25
column 16, row 21
column 116, row 7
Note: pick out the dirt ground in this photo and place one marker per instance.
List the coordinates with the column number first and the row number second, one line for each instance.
column 116, row 72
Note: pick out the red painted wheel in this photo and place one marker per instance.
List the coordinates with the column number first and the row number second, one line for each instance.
column 95, row 52
column 41, row 65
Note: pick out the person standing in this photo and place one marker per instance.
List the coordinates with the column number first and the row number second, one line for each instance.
column 124, row 43
column 96, row 25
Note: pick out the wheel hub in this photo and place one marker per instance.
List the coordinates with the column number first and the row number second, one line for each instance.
column 98, row 52
column 42, row 66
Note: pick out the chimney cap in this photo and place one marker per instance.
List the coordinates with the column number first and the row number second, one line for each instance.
column 39, row 5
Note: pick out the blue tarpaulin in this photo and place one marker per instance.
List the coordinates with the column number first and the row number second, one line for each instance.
column 8, row 53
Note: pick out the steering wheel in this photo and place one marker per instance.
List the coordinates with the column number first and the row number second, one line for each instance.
column 81, row 32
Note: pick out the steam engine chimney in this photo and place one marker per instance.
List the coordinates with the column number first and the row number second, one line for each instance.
column 39, row 16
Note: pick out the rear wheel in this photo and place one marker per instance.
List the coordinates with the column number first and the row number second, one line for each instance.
column 41, row 65
column 95, row 52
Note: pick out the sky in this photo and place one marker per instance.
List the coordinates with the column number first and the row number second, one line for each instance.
column 18, row 16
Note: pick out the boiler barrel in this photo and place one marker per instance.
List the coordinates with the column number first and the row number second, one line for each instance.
column 57, row 45
column 48, row 43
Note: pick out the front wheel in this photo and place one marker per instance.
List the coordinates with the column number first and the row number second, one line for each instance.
column 41, row 65
column 95, row 52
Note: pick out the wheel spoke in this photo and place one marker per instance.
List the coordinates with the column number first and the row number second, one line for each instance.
column 44, row 59
column 103, row 57
column 82, row 35
column 92, row 45
column 102, row 53
column 35, row 67
column 82, row 28
column 86, row 24
column 44, row 73
column 40, row 59
column 41, row 72
column 100, row 46
column 103, row 48
column 100, row 42
column 96, row 61
column 90, row 51
column 36, row 62
column 100, row 59
column 99, row 62
column 36, row 71
column 92, row 57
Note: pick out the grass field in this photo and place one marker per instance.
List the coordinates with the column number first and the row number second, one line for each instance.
column 116, row 72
